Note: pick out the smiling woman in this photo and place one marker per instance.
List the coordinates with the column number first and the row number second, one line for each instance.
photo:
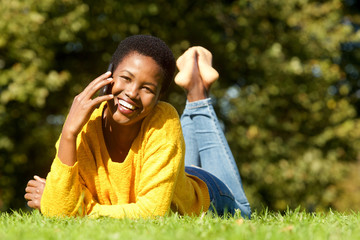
column 127, row 157
column 137, row 84
column 136, row 87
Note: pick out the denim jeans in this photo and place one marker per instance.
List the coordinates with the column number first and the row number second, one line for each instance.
column 208, row 157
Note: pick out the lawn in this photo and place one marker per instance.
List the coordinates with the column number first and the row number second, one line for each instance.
column 264, row 225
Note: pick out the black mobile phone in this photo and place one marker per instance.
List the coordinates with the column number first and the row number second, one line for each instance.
column 106, row 89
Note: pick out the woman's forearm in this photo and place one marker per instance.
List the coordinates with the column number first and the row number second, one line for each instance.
column 67, row 149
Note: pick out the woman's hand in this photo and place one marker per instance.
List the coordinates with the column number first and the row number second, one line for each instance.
column 84, row 104
column 80, row 112
column 34, row 191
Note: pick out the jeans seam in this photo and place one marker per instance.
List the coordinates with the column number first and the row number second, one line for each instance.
column 221, row 192
column 209, row 179
column 203, row 178
column 228, row 155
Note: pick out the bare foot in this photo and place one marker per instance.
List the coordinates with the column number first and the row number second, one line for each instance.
column 208, row 74
column 189, row 76
column 196, row 74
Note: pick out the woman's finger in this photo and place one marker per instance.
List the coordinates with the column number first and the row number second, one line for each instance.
column 101, row 99
column 89, row 93
column 31, row 196
column 97, row 83
column 34, row 204
column 27, row 196
column 34, row 190
column 37, row 178
column 33, row 183
column 30, row 189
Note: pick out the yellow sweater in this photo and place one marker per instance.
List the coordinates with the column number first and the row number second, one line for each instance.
column 150, row 181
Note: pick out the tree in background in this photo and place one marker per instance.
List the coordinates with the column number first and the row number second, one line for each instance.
column 286, row 94
column 289, row 113
column 32, row 34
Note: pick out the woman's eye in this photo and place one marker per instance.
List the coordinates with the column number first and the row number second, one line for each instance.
column 125, row 78
column 148, row 89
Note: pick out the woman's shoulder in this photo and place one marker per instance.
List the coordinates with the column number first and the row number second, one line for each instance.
column 162, row 127
column 166, row 108
column 163, row 116
column 163, row 112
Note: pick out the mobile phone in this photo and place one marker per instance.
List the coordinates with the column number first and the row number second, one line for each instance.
column 107, row 88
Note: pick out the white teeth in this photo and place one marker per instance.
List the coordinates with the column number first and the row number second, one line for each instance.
column 126, row 104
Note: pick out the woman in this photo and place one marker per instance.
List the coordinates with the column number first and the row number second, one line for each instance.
column 126, row 158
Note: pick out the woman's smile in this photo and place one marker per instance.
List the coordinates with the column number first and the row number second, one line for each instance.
column 125, row 104
column 125, row 107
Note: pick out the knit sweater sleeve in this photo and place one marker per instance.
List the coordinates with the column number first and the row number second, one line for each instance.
column 64, row 191
column 162, row 150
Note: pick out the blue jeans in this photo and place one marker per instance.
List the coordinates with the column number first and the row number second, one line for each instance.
column 208, row 157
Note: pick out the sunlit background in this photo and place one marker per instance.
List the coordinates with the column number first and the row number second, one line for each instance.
column 288, row 95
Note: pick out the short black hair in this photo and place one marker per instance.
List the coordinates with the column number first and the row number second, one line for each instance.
column 149, row 46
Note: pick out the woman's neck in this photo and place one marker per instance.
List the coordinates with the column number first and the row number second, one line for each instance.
column 118, row 138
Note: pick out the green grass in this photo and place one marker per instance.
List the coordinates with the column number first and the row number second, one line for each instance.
column 265, row 225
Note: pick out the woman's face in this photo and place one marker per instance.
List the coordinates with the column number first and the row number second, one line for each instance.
column 136, row 89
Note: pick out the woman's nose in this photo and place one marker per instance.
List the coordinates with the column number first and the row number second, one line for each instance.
column 131, row 90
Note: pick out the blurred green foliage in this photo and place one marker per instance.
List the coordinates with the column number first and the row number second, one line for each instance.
column 288, row 91
column 291, row 117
